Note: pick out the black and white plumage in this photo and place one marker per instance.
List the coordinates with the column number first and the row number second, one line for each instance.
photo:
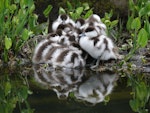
column 62, row 19
column 92, row 89
column 79, row 23
column 73, row 42
column 61, row 81
column 99, row 47
column 95, row 21
column 58, row 55
column 65, row 57
column 38, row 52
column 96, row 88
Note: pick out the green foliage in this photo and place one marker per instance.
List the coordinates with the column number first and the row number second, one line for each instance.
column 138, row 23
column 142, row 38
column 47, row 10
column 141, row 94
column 110, row 24
column 77, row 10
column 13, row 93
column 17, row 24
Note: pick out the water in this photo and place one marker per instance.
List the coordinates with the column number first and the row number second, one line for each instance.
column 36, row 89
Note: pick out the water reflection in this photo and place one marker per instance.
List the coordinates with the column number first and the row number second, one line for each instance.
column 61, row 81
column 96, row 87
column 88, row 86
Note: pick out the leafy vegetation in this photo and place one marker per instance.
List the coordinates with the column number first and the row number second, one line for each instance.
column 141, row 93
column 14, row 93
column 17, row 25
column 138, row 23
column 77, row 10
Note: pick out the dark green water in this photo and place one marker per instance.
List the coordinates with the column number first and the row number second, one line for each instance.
column 38, row 90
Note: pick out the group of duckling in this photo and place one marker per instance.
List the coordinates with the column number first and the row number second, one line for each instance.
column 71, row 42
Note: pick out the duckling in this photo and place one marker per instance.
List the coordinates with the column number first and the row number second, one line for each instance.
column 55, row 36
column 95, row 21
column 62, row 19
column 69, row 34
column 62, row 56
column 65, row 27
column 39, row 49
column 79, row 23
column 99, row 47
column 67, row 40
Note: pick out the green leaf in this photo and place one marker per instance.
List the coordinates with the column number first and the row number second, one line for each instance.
column 7, row 88
column 79, row 10
column 26, row 3
column 69, row 5
column 114, row 23
column 8, row 42
column 129, row 23
column 147, row 27
column 62, row 10
column 26, row 34
column 86, row 6
column 12, row 8
column 145, row 10
column 107, row 22
column 134, row 105
column 16, row 1
column 142, row 38
column 136, row 24
column 47, row 10
column 23, row 93
column 88, row 14
column 131, row 5
column 31, row 8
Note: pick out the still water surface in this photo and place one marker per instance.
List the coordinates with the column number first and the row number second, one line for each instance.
column 76, row 91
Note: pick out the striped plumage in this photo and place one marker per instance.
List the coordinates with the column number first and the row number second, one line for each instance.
column 61, row 81
column 71, row 42
column 58, row 55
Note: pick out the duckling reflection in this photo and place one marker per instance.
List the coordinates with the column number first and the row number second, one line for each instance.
column 61, row 81
column 90, row 87
column 96, row 87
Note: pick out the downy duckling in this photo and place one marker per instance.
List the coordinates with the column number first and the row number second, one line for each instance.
column 99, row 47
column 67, row 40
column 65, row 27
column 41, row 46
column 69, row 35
column 64, row 57
column 95, row 21
column 79, row 23
column 62, row 19
column 55, row 36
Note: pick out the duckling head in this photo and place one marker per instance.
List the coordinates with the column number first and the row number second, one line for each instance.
column 91, row 32
column 63, row 19
column 65, row 27
column 94, row 18
column 79, row 22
